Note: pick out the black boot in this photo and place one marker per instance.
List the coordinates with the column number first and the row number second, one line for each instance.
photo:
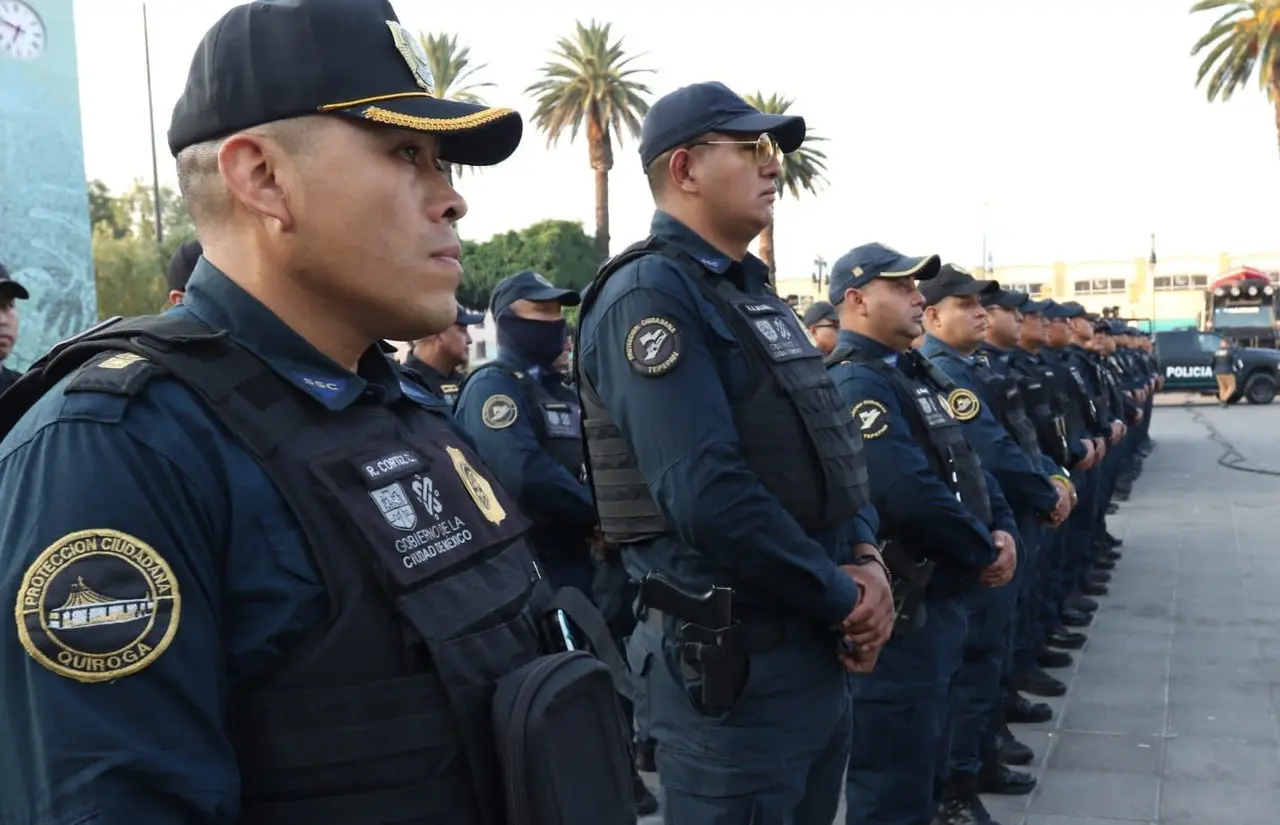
column 1065, row 639
column 960, row 803
column 1035, row 681
column 1111, row 540
column 1100, row 576
column 1000, row 779
column 1076, row 618
column 1083, row 604
column 1010, row 751
column 1018, row 708
column 1051, row 658
column 1094, row 590
column 1101, row 562
column 646, row 802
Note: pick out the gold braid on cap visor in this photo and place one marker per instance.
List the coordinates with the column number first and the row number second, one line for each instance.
column 422, row 124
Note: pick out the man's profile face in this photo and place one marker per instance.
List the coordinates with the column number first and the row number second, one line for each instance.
column 896, row 308
column 1004, row 324
column 1034, row 329
column 733, row 184
column 373, row 226
column 8, row 324
column 455, row 342
column 960, row 320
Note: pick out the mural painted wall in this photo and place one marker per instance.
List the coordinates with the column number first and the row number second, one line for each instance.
column 44, row 211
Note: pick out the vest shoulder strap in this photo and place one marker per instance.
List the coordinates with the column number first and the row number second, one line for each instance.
column 839, row 355
column 527, row 386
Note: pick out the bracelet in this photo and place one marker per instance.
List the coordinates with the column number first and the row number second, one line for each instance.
column 862, row 561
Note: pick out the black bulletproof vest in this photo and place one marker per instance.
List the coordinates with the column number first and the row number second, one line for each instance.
column 446, row 387
column 557, row 422
column 384, row 713
column 1043, row 406
column 1005, row 395
column 794, row 431
column 1080, row 392
column 921, row 393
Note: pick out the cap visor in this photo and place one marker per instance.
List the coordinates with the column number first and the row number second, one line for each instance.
column 977, row 288
column 469, row 319
column 14, row 289
column 565, row 297
column 788, row 130
column 922, row 269
column 1030, row 307
column 470, row 134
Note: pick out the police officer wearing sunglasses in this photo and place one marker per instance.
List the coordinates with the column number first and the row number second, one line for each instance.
column 721, row 456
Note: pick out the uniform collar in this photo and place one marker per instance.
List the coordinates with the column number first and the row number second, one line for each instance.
column 415, row 363
column 219, row 302
column 751, row 271
column 936, row 346
column 870, row 346
column 993, row 351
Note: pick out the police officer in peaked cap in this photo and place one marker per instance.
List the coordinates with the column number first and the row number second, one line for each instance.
column 726, row 466
column 268, row 580
column 438, row 361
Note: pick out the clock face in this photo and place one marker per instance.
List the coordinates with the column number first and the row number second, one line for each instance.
column 21, row 30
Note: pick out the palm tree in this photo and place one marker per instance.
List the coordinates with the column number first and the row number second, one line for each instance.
column 1245, row 36
column 802, row 170
column 451, row 73
column 590, row 80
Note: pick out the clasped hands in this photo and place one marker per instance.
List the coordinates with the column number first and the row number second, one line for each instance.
column 867, row 629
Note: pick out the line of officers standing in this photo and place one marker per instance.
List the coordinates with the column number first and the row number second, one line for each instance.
column 901, row 497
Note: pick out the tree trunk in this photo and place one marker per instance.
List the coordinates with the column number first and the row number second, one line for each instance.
column 1275, row 99
column 601, row 161
column 766, row 252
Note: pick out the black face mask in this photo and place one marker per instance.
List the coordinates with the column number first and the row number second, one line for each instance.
column 540, row 342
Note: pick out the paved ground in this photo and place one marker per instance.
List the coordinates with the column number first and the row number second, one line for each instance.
column 1171, row 716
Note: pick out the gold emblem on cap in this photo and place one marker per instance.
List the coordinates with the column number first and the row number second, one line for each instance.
column 414, row 56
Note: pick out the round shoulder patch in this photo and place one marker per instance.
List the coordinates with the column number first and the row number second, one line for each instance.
column 499, row 412
column 653, row 346
column 963, row 404
column 97, row 605
column 872, row 418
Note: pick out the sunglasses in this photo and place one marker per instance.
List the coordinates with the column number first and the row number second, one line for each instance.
column 766, row 148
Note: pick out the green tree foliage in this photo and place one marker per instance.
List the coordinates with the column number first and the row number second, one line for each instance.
column 128, row 265
column 560, row 250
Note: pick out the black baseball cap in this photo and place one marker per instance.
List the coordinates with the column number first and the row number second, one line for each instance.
column 863, row 264
column 1070, row 309
column 467, row 318
column 272, row 60
column 10, row 288
column 818, row 312
column 690, row 111
column 952, row 281
column 182, row 264
column 529, row 286
column 1004, row 298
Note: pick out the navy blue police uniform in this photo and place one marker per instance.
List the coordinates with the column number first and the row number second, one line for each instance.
column 259, row 587
column 721, row 456
column 978, row 397
column 441, row 384
column 527, row 426
column 10, row 291
column 936, row 505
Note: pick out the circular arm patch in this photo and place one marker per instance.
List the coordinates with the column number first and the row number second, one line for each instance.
column 872, row 418
column 499, row 412
column 964, row 404
column 653, row 346
column 97, row 605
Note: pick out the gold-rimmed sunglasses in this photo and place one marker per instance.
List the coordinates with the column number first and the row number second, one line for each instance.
column 766, row 148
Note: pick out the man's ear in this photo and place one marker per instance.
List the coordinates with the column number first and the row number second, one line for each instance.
column 251, row 167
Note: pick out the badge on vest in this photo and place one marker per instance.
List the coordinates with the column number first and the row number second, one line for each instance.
column 499, row 412
column 97, row 605
column 478, row 486
column 781, row 340
column 562, row 420
column 872, row 418
column 963, row 404
column 653, row 346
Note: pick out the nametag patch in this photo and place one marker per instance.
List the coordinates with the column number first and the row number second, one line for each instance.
column 562, row 420
column 653, row 346
column 782, row 340
column 378, row 469
column 98, row 605
column 933, row 411
column 499, row 412
column 872, row 418
column 963, row 404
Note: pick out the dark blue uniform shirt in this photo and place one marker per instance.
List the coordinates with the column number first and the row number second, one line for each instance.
column 730, row 530
column 998, row 360
column 151, row 747
column 559, row 505
column 914, row 504
column 1062, row 372
column 1025, row 486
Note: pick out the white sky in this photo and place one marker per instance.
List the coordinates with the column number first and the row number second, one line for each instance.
column 1076, row 120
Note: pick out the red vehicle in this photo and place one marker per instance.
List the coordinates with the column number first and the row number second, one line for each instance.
column 1241, row 306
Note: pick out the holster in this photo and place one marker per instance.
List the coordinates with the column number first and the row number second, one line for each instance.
column 911, row 574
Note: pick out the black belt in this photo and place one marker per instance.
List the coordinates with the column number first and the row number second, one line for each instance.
column 757, row 635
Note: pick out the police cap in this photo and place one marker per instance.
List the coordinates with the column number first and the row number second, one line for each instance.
column 466, row 318
column 1004, row 298
column 529, row 286
column 690, row 111
column 1070, row 309
column 952, row 281
column 9, row 288
column 863, row 264
column 818, row 312
column 273, row 60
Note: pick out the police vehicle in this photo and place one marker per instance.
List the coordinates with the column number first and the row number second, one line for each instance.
column 1186, row 362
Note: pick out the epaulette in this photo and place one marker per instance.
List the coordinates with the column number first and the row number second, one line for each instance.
column 117, row 373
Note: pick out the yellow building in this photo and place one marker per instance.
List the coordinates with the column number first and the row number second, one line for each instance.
column 1176, row 301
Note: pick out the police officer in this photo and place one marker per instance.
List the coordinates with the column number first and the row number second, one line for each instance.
column 10, row 293
column 993, row 418
column 721, row 456
column 268, row 581
column 440, row 361
column 181, row 265
column 937, row 507
column 823, row 323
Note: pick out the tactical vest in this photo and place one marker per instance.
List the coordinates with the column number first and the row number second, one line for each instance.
column 557, row 422
column 1036, row 381
column 384, row 713
column 921, row 394
column 1005, row 396
column 447, row 388
column 1080, row 390
column 794, row 431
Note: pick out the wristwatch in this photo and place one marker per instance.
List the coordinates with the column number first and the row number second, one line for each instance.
column 862, row 561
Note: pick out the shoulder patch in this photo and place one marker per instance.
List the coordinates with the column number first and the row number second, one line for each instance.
column 117, row 373
column 872, row 418
column 963, row 404
column 97, row 605
column 499, row 412
column 653, row 346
